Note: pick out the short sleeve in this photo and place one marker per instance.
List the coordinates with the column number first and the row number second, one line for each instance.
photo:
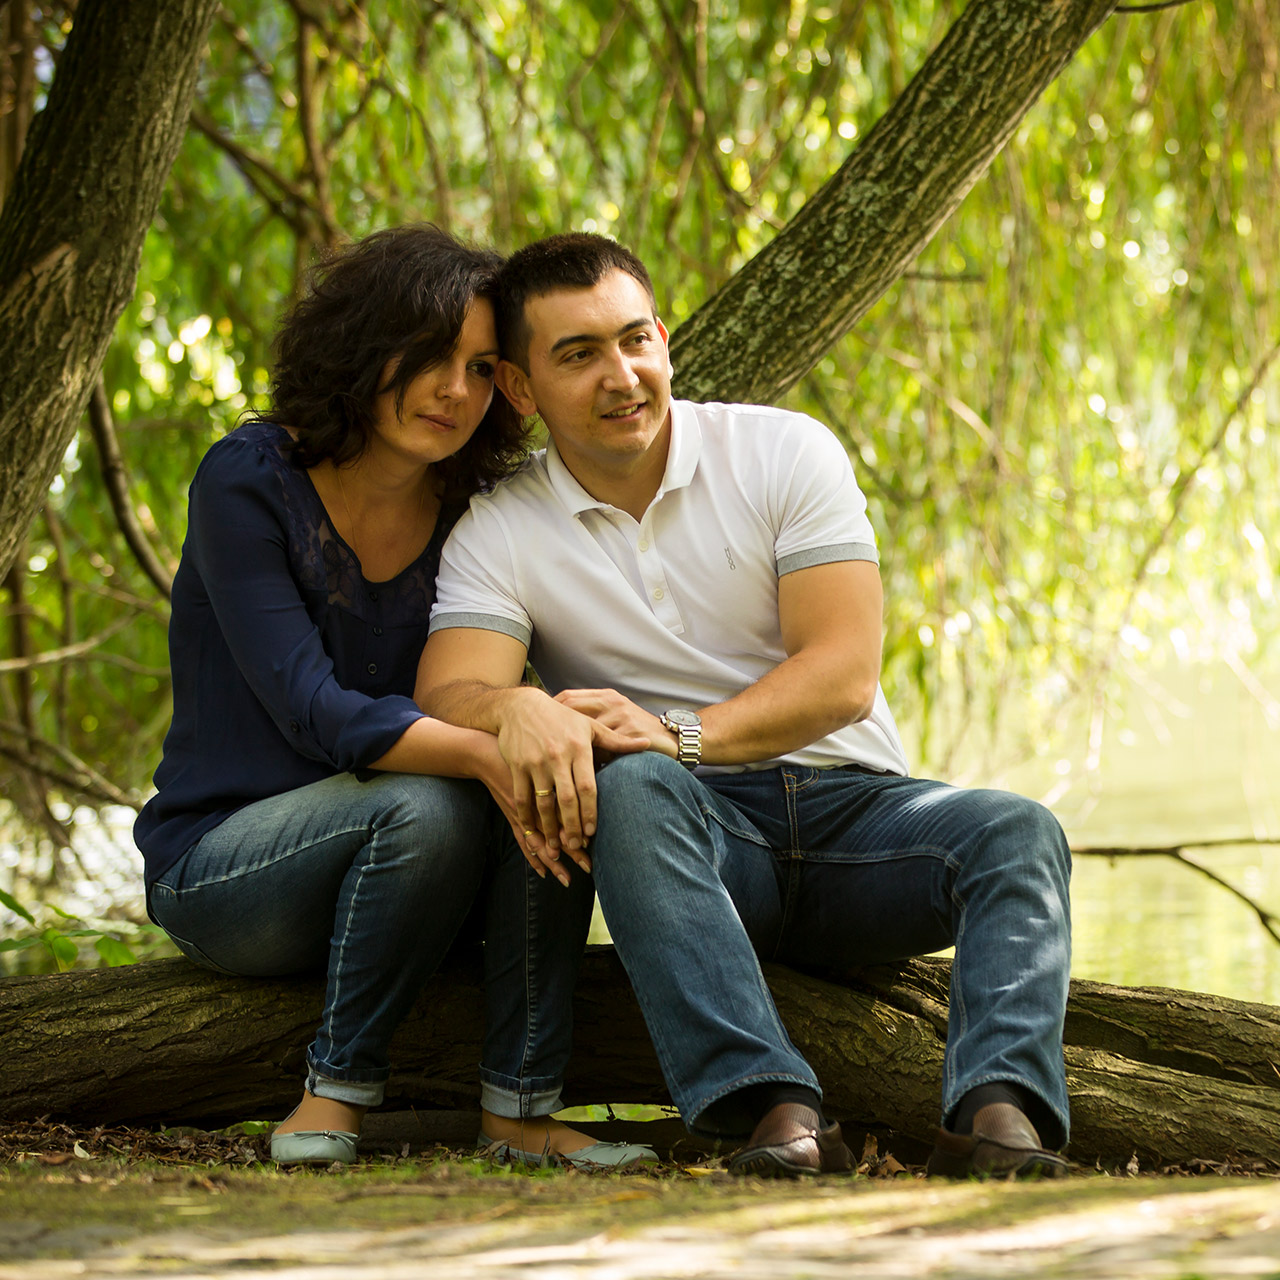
column 820, row 512
column 476, row 586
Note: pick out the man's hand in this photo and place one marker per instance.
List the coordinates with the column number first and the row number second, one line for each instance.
column 611, row 709
column 550, row 749
column 471, row 677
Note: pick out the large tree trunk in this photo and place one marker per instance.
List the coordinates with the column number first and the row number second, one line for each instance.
column 779, row 315
column 71, row 230
column 1167, row 1075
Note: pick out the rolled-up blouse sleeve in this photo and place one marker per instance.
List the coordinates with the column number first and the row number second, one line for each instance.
column 237, row 542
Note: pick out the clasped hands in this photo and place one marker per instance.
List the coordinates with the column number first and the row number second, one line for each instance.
column 553, row 747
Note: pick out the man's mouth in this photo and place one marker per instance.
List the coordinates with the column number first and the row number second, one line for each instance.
column 624, row 410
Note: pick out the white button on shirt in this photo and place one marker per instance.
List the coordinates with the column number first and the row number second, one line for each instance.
column 679, row 609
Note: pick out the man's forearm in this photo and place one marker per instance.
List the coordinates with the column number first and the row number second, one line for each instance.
column 804, row 698
column 472, row 704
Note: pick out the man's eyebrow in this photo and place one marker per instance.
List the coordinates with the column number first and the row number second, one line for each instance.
column 574, row 338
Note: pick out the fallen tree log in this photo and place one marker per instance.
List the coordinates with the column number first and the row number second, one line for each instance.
column 1168, row 1076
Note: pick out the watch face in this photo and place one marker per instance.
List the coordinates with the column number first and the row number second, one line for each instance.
column 686, row 718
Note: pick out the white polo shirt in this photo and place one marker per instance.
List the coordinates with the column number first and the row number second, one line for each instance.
column 679, row 609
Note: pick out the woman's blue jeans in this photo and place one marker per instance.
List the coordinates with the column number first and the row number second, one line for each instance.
column 698, row 877
column 371, row 880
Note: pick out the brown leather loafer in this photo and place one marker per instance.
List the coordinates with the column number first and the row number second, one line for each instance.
column 1003, row 1144
column 788, row 1143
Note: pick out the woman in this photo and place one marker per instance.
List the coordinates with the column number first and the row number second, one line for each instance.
column 307, row 815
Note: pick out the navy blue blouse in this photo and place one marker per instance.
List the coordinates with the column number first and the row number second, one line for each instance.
column 288, row 667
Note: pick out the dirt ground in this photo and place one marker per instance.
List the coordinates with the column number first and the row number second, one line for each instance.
column 123, row 1203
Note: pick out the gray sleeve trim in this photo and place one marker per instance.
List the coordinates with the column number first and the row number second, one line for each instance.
column 482, row 622
column 827, row 555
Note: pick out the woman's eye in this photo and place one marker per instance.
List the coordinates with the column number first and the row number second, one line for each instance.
column 483, row 368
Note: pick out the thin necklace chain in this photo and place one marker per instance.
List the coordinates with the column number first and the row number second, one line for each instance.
column 346, row 506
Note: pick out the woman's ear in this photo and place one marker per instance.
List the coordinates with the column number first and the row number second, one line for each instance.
column 513, row 382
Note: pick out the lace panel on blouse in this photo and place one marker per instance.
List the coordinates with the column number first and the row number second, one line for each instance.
column 323, row 562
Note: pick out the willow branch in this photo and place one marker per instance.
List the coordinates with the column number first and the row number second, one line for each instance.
column 309, row 119
column 82, row 778
column 115, row 477
column 288, row 201
column 1269, row 921
column 67, row 653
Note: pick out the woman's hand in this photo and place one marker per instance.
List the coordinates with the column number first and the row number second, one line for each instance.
column 493, row 771
column 550, row 749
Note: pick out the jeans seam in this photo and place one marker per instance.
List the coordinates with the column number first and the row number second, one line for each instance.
column 338, row 974
column 530, row 983
column 958, row 1009
column 289, row 852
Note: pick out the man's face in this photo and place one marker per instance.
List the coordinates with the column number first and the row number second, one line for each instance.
column 599, row 375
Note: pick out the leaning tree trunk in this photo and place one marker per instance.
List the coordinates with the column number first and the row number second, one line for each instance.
column 1166, row 1075
column 781, row 313
column 71, row 230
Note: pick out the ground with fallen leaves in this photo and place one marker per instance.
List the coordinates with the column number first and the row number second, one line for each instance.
column 128, row 1202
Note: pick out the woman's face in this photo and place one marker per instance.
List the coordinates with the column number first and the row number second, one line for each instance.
column 443, row 405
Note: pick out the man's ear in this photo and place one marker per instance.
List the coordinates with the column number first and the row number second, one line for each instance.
column 666, row 341
column 513, row 382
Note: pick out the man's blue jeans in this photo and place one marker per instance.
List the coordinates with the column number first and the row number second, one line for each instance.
column 370, row 880
column 698, row 877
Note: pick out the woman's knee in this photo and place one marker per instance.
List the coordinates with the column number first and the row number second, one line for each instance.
column 448, row 814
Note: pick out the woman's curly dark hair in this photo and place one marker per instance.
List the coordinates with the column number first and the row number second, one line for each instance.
column 400, row 293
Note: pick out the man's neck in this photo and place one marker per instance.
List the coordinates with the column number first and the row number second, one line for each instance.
column 630, row 488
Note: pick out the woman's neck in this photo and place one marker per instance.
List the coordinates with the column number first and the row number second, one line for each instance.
column 385, row 515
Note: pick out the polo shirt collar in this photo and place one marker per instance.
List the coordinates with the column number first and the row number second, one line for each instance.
column 683, row 451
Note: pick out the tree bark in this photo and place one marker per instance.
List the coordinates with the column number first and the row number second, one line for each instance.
column 1168, row 1076
column 71, row 230
column 779, row 315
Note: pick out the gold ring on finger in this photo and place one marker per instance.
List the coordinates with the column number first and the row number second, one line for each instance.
column 547, row 792
column 528, row 832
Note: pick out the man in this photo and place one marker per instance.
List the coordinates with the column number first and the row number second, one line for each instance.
column 704, row 580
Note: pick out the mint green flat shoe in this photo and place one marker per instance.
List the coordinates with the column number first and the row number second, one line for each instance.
column 600, row 1157
column 313, row 1146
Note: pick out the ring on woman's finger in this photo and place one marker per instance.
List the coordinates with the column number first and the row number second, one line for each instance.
column 547, row 792
column 529, row 832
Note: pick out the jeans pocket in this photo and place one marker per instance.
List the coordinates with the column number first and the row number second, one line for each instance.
column 726, row 816
column 160, row 897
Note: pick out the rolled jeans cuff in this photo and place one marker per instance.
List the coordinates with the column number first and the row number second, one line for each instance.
column 519, row 1104
column 357, row 1089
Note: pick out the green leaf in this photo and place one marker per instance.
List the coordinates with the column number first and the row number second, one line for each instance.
column 21, row 944
column 113, row 951
column 8, row 900
column 62, row 949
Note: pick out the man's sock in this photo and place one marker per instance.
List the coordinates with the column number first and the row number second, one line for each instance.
column 984, row 1095
column 760, row 1098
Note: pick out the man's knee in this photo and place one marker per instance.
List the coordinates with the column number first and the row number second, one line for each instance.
column 1022, row 831
column 642, row 779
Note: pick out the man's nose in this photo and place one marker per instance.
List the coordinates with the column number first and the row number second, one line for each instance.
column 620, row 375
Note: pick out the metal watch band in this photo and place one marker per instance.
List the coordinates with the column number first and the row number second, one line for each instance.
column 688, row 739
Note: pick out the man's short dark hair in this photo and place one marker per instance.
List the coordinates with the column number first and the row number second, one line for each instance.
column 575, row 260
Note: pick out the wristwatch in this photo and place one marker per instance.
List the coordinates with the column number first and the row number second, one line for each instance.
column 687, row 726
